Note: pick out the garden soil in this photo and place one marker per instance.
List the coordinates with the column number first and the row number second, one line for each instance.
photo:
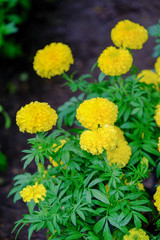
column 84, row 25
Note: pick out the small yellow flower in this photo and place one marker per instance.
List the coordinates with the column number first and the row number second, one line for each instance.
column 52, row 60
column 35, row 192
column 115, row 62
column 138, row 234
column 156, row 197
column 128, row 34
column 149, row 77
column 141, row 186
column 157, row 66
column 157, row 115
column 98, row 140
column 159, row 144
column 96, row 112
column 36, row 117
column 120, row 155
column 56, row 148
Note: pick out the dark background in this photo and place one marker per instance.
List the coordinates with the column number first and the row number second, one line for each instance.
column 84, row 25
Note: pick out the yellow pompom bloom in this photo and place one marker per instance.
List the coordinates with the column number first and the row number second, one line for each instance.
column 36, row 117
column 156, row 197
column 120, row 133
column 35, row 192
column 138, row 234
column 115, row 62
column 52, row 60
column 98, row 140
column 157, row 115
column 96, row 112
column 120, row 155
column 157, row 66
column 128, row 34
column 149, row 77
column 159, row 144
column 53, row 162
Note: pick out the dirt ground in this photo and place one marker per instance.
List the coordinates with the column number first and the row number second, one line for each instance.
column 85, row 26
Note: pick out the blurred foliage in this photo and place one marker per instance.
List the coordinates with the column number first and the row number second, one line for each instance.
column 12, row 14
column 154, row 31
column 3, row 161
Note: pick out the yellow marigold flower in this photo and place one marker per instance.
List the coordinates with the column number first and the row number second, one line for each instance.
column 128, row 34
column 36, row 117
column 156, row 197
column 120, row 155
column 115, row 62
column 35, row 192
column 157, row 66
column 149, row 77
column 52, row 60
column 95, row 141
column 120, row 133
column 109, row 137
column 157, row 115
column 138, row 234
column 159, row 144
column 141, row 186
column 96, row 112
column 53, row 162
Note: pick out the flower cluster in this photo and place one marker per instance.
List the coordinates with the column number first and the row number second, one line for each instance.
column 36, row 117
column 114, row 62
column 128, row 34
column 52, row 60
column 35, row 192
column 125, row 34
column 156, row 197
column 157, row 115
column 138, row 234
column 96, row 112
column 99, row 115
column 149, row 77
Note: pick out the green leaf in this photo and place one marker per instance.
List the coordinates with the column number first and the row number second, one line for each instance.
column 75, row 235
column 100, row 196
column 137, row 222
column 51, row 227
column 73, row 218
column 128, row 125
column 101, row 77
column 126, row 220
column 95, row 181
column 141, row 208
column 81, row 214
column 141, row 217
column 31, row 229
column 158, row 170
column 99, row 225
column 28, row 161
column 106, row 232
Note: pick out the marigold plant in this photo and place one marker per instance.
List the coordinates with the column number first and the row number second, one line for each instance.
column 90, row 181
